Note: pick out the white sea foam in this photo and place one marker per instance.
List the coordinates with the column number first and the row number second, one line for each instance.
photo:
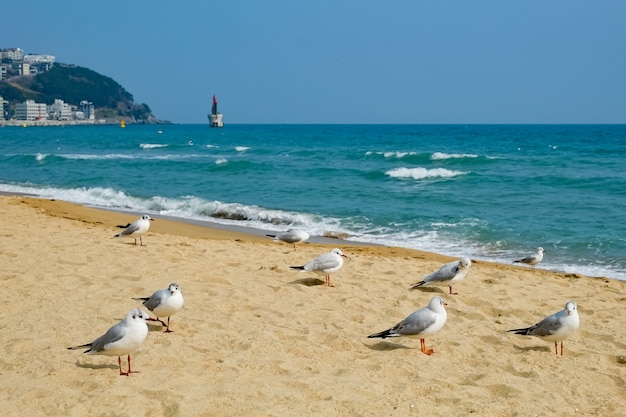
column 41, row 156
column 242, row 148
column 443, row 155
column 152, row 145
column 97, row 157
column 422, row 173
column 438, row 237
column 220, row 161
column 391, row 154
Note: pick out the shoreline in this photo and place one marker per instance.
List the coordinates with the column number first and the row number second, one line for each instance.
column 257, row 232
column 248, row 318
column 175, row 225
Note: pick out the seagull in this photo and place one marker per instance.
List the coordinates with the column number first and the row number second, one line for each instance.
column 533, row 259
column 163, row 303
column 137, row 228
column 448, row 274
column 325, row 264
column 556, row 327
column 291, row 236
column 419, row 324
column 122, row 339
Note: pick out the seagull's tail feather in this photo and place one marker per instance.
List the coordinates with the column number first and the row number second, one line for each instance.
column 520, row 331
column 383, row 335
column 142, row 299
column 301, row 268
column 274, row 236
column 88, row 345
column 419, row 284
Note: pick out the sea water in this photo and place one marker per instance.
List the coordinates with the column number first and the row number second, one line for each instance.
column 488, row 192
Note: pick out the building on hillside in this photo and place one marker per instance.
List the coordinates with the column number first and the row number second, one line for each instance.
column 3, row 72
column 13, row 54
column 38, row 63
column 29, row 110
column 87, row 109
column 4, row 108
column 59, row 110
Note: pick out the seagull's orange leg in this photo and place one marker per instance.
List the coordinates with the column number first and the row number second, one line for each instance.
column 119, row 362
column 168, row 326
column 129, row 371
column 328, row 281
column 424, row 350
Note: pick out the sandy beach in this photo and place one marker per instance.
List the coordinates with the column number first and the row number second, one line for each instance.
column 258, row 339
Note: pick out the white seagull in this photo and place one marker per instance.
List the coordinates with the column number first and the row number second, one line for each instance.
column 291, row 236
column 533, row 259
column 136, row 228
column 556, row 327
column 325, row 264
column 448, row 274
column 164, row 303
column 419, row 324
column 122, row 339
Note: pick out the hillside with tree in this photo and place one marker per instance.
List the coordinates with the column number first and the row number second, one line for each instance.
column 73, row 84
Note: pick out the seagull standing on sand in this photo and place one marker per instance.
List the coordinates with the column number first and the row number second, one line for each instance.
column 421, row 323
column 448, row 274
column 291, row 236
column 137, row 228
column 324, row 264
column 533, row 259
column 556, row 327
column 164, row 303
column 122, row 339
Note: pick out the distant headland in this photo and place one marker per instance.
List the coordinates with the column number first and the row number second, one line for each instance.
column 36, row 90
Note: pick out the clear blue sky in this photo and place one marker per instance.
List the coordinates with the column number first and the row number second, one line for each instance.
column 399, row 61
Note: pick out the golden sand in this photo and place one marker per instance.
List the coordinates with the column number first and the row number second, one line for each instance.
column 258, row 339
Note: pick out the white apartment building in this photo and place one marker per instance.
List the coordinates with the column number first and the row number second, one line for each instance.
column 59, row 110
column 39, row 59
column 16, row 54
column 29, row 110
column 3, row 108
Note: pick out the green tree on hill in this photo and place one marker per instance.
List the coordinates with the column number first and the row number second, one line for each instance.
column 74, row 84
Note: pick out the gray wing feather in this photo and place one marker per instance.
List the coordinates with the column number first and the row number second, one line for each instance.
column 288, row 237
column 415, row 323
column 545, row 327
column 325, row 261
column 112, row 335
column 155, row 299
column 445, row 273
column 130, row 229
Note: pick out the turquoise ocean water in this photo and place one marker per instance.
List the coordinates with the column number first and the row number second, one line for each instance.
column 490, row 192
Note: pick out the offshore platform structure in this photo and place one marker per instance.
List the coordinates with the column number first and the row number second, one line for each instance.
column 215, row 118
